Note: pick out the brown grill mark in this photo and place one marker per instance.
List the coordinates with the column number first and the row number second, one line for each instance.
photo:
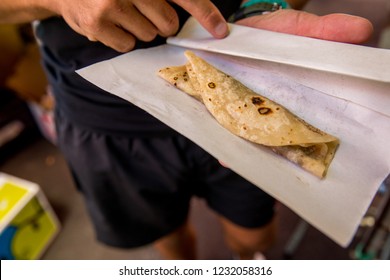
column 257, row 101
column 211, row 85
column 264, row 111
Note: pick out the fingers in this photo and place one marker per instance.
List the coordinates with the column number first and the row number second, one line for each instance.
column 118, row 24
column 103, row 30
column 122, row 28
column 131, row 20
column 160, row 14
column 208, row 16
column 333, row 27
column 223, row 164
column 114, row 37
column 143, row 20
column 147, row 18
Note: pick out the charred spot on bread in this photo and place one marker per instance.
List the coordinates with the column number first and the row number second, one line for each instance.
column 211, row 85
column 264, row 110
column 257, row 101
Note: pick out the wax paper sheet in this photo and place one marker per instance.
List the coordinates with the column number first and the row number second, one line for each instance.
column 334, row 205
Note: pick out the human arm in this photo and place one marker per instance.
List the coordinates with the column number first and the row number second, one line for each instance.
column 333, row 27
column 21, row 11
column 116, row 23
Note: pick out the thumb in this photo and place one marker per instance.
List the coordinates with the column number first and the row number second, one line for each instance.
column 208, row 16
column 333, row 27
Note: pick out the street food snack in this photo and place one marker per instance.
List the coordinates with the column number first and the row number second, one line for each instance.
column 252, row 116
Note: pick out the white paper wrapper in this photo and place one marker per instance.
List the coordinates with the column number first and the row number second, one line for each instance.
column 336, row 204
column 357, row 69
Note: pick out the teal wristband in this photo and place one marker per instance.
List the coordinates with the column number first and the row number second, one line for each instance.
column 257, row 7
column 281, row 3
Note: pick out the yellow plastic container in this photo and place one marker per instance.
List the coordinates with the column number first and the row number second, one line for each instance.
column 27, row 222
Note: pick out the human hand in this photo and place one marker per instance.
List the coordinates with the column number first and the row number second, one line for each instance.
column 333, row 27
column 119, row 23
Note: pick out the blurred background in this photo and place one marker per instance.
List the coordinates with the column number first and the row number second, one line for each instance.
column 28, row 151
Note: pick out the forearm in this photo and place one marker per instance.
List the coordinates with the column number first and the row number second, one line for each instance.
column 21, row 11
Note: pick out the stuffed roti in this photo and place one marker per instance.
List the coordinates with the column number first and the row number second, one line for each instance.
column 252, row 116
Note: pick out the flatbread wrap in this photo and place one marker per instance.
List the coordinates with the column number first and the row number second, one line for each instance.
column 252, row 116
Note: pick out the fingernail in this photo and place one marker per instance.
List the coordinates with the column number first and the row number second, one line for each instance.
column 222, row 30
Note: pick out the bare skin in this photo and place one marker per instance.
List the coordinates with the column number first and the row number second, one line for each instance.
column 333, row 27
column 245, row 242
column 120, row 23
column 117, row 23
column 178, row 245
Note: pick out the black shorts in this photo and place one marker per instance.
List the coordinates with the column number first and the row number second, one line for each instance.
column 139, row 189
